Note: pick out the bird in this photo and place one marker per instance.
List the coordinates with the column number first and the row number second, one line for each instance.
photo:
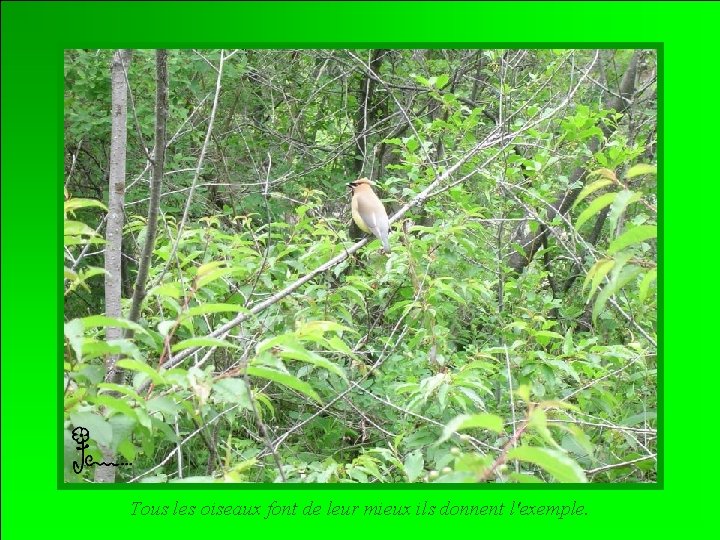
column 368, row 211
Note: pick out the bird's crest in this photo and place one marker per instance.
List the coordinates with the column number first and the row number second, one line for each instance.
column 361, row 181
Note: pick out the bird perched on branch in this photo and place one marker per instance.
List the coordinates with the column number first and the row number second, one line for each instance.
column 368, row 211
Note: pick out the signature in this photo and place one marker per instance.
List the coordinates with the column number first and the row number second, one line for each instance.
column 81, row 436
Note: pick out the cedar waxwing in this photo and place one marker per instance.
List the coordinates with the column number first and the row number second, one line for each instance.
column 368, row 212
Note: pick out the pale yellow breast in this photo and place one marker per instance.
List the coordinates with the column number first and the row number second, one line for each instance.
column 356, row 216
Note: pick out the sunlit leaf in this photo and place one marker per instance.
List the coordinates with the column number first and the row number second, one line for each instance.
column 464, row 422
column 641, row 168
column 73, row 204
column 202, row 342
column 561, row 466
column 413, row 466
column 634, row 235
column 284, row 379
column 592, row 188
column 134, row 365
column 594, row 207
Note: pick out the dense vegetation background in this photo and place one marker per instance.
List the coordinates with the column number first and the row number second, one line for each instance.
column 224, row 324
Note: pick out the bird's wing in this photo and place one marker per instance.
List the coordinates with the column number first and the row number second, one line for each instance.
column 377, row 222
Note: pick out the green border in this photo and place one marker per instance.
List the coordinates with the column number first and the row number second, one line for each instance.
column 61, row 484
column 660, row 153
column 34, row 34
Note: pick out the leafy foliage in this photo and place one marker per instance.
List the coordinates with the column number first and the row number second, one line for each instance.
column 436, row 363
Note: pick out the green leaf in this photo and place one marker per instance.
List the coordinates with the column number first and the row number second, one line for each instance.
column 163, row 479
column 204, row 309
column 165, row 405
column 290, row 348
column 164, row 327
column 79, row 280
column 320, row 327
column 134, row 365
column 100, row 430
column 121, row 389
column 94, row 373
column 617, row 281
column 591, row 188
column 78, row 228
column 93, row 349
column 77, row 241
column 338, row 345
column 523, row 392
column 644, row 287
column 214, row 275
column 641, row 168
column 101, row 321
column 446, row 289
column 127, row 450
column 73, row 204
column 568, row 344
column 157, row 424
column 208, row 267
column 632, row 236
column 623, row 199
column 232, row 391
column 465, row 421
column 263, row 400
column 202, row 342
column 561, row 466
column 171, row 290
column 114, row 403
column 285, row 379
column 441, row 81
column 422, row 80
column 557, row 404
column 538, row 421
column 577, row 442
column 640, row 418
column 207, row 273
column 412, row 144
column 543, row 337
column 395, row 141
column 598, row 204
column 74, row 333
column 521, row 478
column 414, row 464
column 598, row 271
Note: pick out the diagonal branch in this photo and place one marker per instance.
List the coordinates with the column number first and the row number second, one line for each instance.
column 419, row 199
column 200, row 162
column 439, row 185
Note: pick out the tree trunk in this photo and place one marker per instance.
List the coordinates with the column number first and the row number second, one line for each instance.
column 161, row 114
column 114, row 227
column 366, row 110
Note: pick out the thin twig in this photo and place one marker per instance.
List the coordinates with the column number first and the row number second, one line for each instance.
column 512, row 402
column 201, row 159
column 618, row 465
